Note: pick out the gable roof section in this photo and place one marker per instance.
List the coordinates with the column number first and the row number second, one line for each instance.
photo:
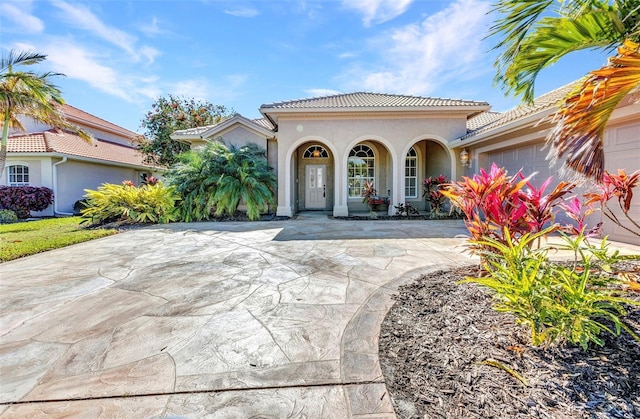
column 209, row 131
column 360, row 100
column 370, row 102
column 67, row 144
column 489, row 122
column 81, row 117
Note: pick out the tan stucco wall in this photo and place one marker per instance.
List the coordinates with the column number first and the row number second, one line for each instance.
column 240, row 136
column 75, row 176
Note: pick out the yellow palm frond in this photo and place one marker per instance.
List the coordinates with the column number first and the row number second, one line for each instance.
column 582, row 117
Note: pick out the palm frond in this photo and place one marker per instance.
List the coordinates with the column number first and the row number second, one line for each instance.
column 582, row 117
column 553, row 39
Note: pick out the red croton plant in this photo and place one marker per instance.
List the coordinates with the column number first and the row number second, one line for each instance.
column 492, row 201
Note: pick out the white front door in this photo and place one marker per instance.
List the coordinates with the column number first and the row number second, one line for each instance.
column 316, row 187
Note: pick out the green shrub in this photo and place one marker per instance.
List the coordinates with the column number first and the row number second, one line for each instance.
column 128, row 204
column 217, row 178
column 575, row 302
column 8, row 217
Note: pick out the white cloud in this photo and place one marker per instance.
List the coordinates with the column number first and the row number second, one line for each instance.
column 21, row 17
column 321, row 92
column 80, row 63
column 243, row 12
column 418, row 57
column 82, row 18
column 378, row 11
column 152, row 28
column 194, row 88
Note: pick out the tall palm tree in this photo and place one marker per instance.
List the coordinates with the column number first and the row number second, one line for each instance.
column 29, row 94
column 536, row 33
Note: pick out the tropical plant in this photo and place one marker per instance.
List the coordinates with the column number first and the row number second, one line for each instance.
column 246, row 178
column 127, row 203
column 169, row 114
column 406, row 209
column 533, row 35
column 431, row 191
column 8, row 216
column 368, row 192
column 25, row 93
column 575, row 302
column 24, row 199
column 619, row 187
column 494, row 202
column 217, row 178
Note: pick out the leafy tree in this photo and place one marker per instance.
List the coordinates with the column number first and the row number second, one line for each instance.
column 169, row 114
column 217, row 178
column 25, row 93
column 534, row 34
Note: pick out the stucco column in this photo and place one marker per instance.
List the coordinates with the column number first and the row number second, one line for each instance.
column 285, row 209
column 340, row 208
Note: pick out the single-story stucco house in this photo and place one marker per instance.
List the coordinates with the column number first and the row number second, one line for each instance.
column 68, row 164
column 324, row 148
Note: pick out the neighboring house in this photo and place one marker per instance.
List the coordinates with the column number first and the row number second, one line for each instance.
column 325, row 148
column 67, row 164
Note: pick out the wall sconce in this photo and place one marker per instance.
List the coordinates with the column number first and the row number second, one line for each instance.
column 464, row 158
column 316, row 153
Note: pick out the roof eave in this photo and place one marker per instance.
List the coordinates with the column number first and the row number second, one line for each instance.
column 503, row 129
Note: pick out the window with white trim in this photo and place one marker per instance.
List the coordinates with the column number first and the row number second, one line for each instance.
column 411, row 174
column 360, row 169
column 315, row 152
column 18, row 175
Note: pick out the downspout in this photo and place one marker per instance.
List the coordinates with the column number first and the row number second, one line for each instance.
column 55, row 188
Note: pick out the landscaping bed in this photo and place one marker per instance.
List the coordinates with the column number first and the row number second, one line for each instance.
column 445, row 353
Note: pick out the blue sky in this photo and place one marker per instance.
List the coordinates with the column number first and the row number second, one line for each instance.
column 118, row 56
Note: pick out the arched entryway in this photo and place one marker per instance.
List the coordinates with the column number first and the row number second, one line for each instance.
column 425, row 158
column 315, row 175
column 368, row 161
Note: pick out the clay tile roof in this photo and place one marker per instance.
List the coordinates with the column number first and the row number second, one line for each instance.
column 27, row 143
column 487, row 121
column 370, row 100
column 72, row 145
column 78, row 116
column 264, row 122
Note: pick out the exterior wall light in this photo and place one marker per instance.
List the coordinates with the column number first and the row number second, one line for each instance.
column 464, row 158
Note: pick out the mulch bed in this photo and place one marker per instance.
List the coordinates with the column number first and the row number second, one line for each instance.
column 442, row 351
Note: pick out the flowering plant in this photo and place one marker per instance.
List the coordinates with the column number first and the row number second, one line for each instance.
column 431, row 187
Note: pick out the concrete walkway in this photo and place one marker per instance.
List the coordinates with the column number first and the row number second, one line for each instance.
column 273, row 319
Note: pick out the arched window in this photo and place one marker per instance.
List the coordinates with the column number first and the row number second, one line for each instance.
column 360, row 169
column 411, row 174
column 18, row 175
column 315, row 152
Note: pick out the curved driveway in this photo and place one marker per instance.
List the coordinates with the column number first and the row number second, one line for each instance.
column 273, row 319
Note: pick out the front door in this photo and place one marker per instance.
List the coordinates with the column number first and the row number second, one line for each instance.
column 316, row 187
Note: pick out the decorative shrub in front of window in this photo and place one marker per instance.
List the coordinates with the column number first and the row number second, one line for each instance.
column 360, row 169
column 24, row 199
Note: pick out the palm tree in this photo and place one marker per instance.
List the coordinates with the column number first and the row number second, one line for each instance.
column 536, row 33
column 29, row 94
column 246, row 178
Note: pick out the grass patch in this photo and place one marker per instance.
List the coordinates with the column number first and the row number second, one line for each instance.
column 28, row 238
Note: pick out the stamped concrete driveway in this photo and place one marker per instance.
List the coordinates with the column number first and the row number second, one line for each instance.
column 274, row 319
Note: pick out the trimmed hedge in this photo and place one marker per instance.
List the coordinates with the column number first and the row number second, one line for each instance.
column 24, row 199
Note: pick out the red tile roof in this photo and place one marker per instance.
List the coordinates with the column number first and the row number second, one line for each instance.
column 78, row 116
column 70, row 144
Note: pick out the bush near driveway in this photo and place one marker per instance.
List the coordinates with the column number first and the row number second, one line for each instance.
column 28, row 238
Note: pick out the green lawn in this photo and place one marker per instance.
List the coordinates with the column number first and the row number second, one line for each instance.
column 27, row 238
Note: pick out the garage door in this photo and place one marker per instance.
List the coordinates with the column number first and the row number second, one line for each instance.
column 622, row 150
